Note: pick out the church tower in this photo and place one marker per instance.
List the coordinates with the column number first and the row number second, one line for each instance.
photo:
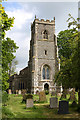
column 42, row 56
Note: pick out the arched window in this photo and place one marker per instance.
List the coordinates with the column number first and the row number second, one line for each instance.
column 45, row 35
column 46, row 72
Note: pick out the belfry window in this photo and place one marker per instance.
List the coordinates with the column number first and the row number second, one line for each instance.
column 46, row 72
column 45, row 35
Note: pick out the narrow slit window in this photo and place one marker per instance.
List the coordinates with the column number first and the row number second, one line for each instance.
column 45, row 52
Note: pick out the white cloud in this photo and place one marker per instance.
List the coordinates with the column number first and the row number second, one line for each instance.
column 21, row 17
column 24, row 14
column 20, row 33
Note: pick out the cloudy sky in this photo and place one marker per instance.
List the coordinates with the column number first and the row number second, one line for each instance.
column 24, row 13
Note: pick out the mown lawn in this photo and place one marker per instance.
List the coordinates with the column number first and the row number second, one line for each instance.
column 16, row 109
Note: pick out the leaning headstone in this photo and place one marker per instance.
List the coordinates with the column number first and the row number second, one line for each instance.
column 72, row 95
column 53, row 102
column 19, row 92
column 9, row 91
column 42, row 96
column 63, row 107
column 29, row 103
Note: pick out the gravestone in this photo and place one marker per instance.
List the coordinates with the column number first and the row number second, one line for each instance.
column 53, row 102
column 37, row 92
column 72, row 95
column 58, row 90
column 9, row 91
column 29, row 103
column 16, row 91
column 59, row 94
column 42, row 96
column 23, row 92
column 63, row 107
column 19, row 92
column 24, row 98
column 64, row 93
column 53, row 93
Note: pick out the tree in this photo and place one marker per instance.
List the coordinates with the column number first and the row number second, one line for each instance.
column 76, row 56
column 8, row 48
column 69, row 52
column 66, row 45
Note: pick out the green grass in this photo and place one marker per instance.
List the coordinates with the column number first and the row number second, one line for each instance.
column 16, row 109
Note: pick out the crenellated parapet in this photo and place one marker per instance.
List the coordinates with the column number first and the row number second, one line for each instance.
column 42, row 21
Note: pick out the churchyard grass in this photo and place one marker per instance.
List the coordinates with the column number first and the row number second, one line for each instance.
column 16, row 109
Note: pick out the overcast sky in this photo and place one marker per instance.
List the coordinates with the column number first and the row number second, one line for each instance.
column 24, row 13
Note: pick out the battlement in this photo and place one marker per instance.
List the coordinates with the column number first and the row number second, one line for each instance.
column 36, row 20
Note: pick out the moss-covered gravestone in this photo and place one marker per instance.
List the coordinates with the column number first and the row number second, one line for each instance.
column 42, row 96
column 72, row 95
column 23, row 92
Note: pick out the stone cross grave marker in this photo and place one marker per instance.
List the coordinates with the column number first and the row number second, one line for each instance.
column 63, row 107
column 42, row 96
column 29, row 103
column 53, row 102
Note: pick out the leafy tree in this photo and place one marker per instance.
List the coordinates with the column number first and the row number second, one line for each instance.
column 8, row 48
column 76, row 56
column 66, row 45
column 69, row 52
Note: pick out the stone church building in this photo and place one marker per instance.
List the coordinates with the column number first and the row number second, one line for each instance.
column 43, row 60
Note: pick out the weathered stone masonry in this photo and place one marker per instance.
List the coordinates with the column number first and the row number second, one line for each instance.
column 43, row 56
